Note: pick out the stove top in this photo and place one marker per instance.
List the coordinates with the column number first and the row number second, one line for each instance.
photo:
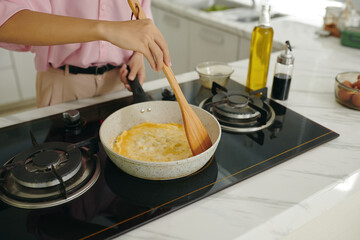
column 109, row 202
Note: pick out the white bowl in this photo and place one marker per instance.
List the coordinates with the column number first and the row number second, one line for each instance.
column 210, row 72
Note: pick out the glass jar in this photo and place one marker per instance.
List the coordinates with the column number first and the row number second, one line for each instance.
column 283, row 74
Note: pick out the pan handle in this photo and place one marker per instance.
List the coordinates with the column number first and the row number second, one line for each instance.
column 139, row 94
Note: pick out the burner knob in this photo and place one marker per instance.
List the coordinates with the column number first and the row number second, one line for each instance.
column 71, row 116
column 72, row 120
column 168, row 94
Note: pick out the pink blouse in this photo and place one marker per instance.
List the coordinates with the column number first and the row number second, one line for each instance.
column 83, row 55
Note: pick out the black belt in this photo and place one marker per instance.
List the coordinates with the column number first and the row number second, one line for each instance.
column 90, row 70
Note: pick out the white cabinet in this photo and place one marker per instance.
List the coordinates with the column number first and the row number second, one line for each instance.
column 26, row 74
column 210, row 44
column 8, row 87
column 175, row 30
column 5, row 61
column 191, row 42
column 17, row 78
column 176, row 33
column 9, row 92
column 244, row 48
column 150, row 73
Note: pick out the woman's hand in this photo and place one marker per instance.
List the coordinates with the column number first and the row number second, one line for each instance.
column 137, row 68
column 140, row 36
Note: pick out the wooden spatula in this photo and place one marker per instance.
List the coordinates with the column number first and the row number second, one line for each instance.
column 196, row 133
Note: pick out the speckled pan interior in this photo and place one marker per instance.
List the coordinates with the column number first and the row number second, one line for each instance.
column 160, row 112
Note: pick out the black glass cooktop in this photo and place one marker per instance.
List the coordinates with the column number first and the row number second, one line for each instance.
column 118, row 203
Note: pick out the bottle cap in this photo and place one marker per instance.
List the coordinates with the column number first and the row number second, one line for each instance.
column 286, row 57
column 264, row 18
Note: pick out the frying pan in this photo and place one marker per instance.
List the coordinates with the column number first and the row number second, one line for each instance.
column 157, row 112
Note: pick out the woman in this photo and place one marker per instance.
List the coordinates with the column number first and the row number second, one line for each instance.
column 80, row 45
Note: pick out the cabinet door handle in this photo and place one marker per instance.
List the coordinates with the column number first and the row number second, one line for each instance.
column 171, row 21
column 211, row 36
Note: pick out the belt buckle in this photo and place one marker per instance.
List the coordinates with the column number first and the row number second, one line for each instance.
column 101, row 69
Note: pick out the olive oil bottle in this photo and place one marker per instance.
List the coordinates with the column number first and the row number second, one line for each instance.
column 260, row 50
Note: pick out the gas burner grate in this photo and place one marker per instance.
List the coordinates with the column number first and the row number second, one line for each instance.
column 239, row 111
column 43, row 164
column 48, row 174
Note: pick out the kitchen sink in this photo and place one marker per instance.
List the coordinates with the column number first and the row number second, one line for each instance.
column 256, row 18
column 245, row 11
column 243, row 14
column 219, row 5
column 215, row 5
column 238, row 10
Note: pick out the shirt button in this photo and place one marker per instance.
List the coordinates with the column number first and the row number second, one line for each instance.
column 103, row 7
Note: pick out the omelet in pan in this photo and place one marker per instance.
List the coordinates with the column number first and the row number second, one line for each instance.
column 154, row 142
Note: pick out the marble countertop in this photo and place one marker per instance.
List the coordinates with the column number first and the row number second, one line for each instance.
column 275, row 203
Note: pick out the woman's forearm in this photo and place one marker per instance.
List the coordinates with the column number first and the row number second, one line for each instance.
column 41, row 29
column 38, row 29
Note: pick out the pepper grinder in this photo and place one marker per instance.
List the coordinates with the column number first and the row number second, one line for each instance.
column 283, row 73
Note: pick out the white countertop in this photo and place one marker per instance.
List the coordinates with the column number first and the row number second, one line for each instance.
column 275, row 203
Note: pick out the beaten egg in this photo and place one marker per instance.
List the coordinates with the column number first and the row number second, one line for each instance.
column 154, row 142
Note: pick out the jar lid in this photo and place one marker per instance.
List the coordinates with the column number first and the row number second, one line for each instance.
column 286, row 57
